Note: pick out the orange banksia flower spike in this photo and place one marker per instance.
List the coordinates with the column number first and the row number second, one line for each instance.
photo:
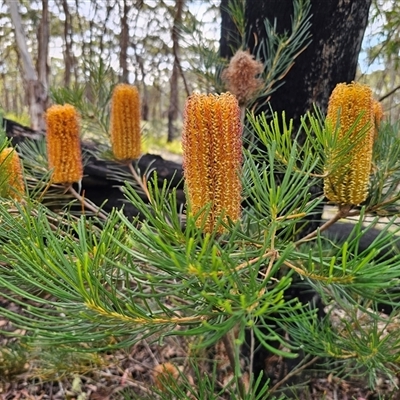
column 125, row 123
column 212, row 157
column 348, row 104
column 12, row 181
column 63, row 144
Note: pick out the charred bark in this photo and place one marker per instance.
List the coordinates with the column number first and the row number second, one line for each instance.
column 230, row 37
column 337, row 29
column 101, row 183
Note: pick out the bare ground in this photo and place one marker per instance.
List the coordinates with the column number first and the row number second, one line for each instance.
column 134, row 373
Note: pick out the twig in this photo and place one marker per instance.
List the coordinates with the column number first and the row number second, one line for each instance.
column 150, row 352
column 86, row 204
column 269, row 253
column 330, row 279
column 390, row 93
column 292, row 373
column 342, row 213
column 140, row 181
column 130, row 382
column 252, row 347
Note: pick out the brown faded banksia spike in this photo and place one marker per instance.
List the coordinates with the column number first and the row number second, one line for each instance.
column 241, row 76
column 166, row 375
column 350, row 108
column 212, row 157
column 11, row 174
column 63, row 144
column 125, row 122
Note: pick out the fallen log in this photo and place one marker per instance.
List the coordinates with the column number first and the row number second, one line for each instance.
column 103, row 179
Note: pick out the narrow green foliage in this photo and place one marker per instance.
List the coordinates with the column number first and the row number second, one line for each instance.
column 91, row 285
column 95, row 285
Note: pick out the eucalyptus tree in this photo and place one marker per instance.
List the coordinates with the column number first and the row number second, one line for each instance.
column 36, row 80
column 138, row 40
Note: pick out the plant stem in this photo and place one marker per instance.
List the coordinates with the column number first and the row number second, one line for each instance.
column 87, row 204
column 342, row 213
column 233, row 359
column 292, row 373
column 139, row 180
column 252, row 349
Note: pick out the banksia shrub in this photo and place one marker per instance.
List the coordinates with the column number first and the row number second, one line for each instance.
column 212, row 157
column 125, row 122
column 351, row 116
column 63, row 144
column 12, row 182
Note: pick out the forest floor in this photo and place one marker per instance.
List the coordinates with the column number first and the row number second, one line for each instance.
column 53, row 374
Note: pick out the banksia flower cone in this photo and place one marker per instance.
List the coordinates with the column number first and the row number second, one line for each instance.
column 241, row 76
column 348, row 104
column 212, row 157
column 125, row 122
column 63, row 144
column 11, row 180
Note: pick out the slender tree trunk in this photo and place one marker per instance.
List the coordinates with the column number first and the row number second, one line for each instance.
column 174, row 91
column 68, row 56
column 337, row 30
column 80, row 18
column 6, row 93
column 91, row 45
column 43, row 48
column 124, row 43
column 35, row 90
column 145, row 94
column 103, row 35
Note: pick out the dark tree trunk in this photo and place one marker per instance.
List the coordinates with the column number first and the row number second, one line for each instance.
column 145, row 91
column 337, row 30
